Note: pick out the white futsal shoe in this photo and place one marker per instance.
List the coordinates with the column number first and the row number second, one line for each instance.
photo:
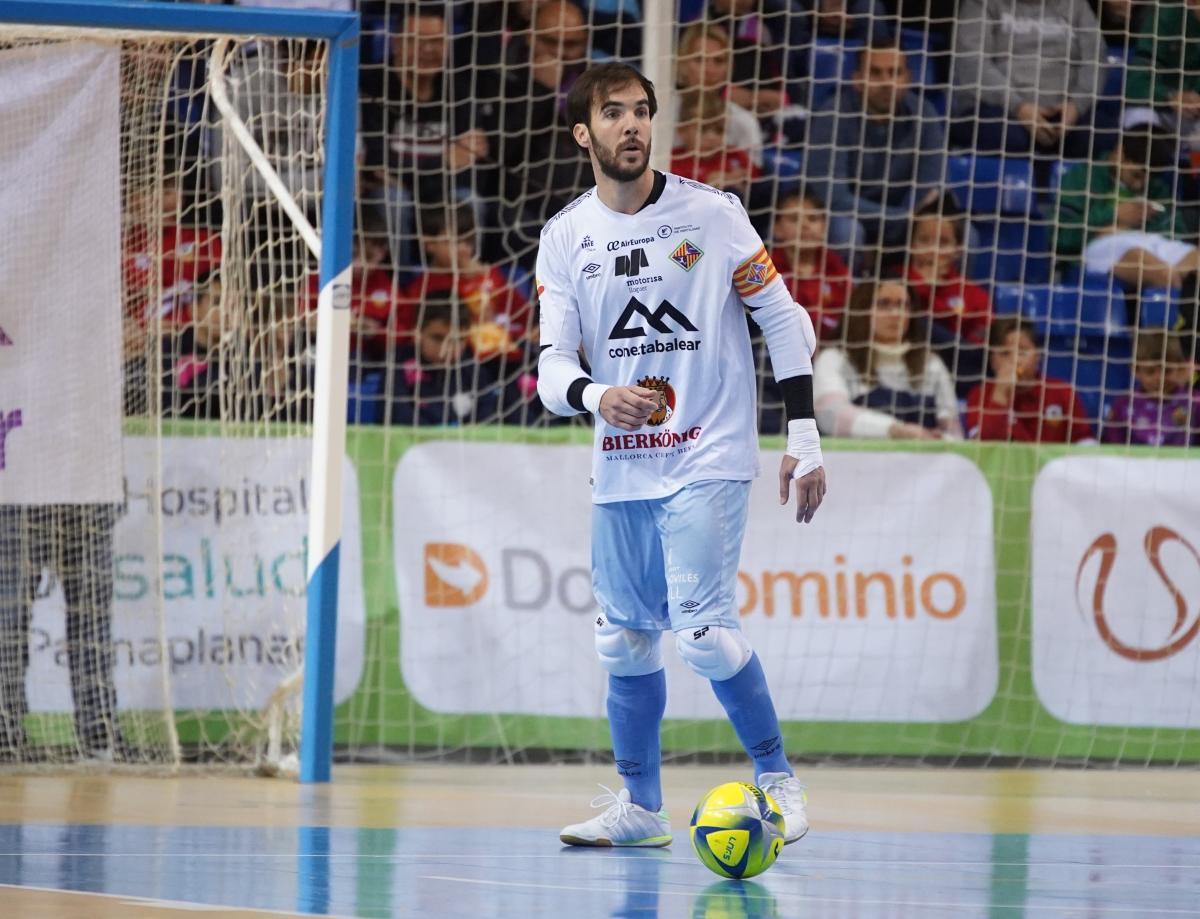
column 791, row 797
column 623, row 823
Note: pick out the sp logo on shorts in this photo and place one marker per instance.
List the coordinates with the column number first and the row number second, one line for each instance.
column 454, row 575
column 699, row 633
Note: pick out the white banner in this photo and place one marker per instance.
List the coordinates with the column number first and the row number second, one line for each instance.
column 234, row 518
column 60, row 282
column 1116, row 590
column 882, row 609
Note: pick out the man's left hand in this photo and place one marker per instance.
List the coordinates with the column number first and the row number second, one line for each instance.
column 810, row 489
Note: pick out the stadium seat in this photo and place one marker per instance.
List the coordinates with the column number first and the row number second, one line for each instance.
column 365, row 399
column 1009, row 251
column 1099, row 373
column 1080, row 313
column 1158, row 308
column 991, row 185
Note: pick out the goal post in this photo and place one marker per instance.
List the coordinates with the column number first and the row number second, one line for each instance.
column 339, row 34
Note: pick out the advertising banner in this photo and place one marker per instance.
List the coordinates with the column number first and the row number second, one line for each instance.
column 233, row 549
column 1116, row 590
column 885, row 611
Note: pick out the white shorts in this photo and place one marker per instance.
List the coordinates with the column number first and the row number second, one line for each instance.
column 1102, row 255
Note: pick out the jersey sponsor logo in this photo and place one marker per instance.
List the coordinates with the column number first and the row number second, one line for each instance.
column 454, row 575
column 686, row 255
column 618, row 244
column 591, row 269
column 666, row 230
column 631, row 265
column 623, row 442
column 666, row 400
column 658, row 346
column 656, row 320
column 699, row 633
column 586, row 244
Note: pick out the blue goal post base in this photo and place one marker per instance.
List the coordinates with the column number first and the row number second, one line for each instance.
column 341, row 30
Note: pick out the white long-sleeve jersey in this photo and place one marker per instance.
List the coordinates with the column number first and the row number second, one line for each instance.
column 655, row 299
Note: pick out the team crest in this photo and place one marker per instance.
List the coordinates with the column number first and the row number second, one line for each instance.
column 686, row 255
column 757, row 273
column 666, row 399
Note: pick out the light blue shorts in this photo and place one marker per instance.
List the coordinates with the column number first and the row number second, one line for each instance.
column 671, row 563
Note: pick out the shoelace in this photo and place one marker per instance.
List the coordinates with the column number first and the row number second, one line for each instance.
column 783, row 796
column 616, row 807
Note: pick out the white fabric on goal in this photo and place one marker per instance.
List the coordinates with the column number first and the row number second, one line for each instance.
column 60, row 283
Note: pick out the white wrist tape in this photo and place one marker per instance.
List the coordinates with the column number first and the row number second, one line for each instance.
column 591, row 396
column 804, row 443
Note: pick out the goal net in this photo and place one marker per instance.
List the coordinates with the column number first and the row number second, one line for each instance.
column 994, row 595
column 158, row 382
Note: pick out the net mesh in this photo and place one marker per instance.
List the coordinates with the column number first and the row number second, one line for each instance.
column 166, row 617
column 989, row 169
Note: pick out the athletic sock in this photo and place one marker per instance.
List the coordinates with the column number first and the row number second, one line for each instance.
column 747, row 701
column 635, row 710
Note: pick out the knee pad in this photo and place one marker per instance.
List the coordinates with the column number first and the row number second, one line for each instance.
column 714, row 651
column 627, row 652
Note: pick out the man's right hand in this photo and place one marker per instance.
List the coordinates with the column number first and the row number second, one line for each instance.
column 628, row 407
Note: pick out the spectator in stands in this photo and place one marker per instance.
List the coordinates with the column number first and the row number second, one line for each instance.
column 1017, row 403
column 1162, row 410
column 883, row 382
column 542, row 169
column 378, row 313
column 841, row 20
column 497, row 312
column 168, row 244
column 191, row 357
column 1120, row 20
column 756, row 29
column 704, row 60
column 424, row 132
column 701, row 152
column 876, row 151
column 1025, row 75
column 439, row 382
column 520, row 403
column 815, row 274
column 1120, row 215
column 1165, row 71
column 959, row 312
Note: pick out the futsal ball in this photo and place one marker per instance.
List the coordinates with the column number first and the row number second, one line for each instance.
column 737, row 830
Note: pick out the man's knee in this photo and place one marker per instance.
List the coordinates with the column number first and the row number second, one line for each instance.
column 716, row 652
column 627, row 652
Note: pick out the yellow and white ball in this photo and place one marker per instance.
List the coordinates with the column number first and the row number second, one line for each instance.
column 737, row 830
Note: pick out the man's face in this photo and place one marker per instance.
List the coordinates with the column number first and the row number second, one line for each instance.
column 421, row 47
column 706, row 66
column 619, row 133
column 882, row 78
column 560, row 32
column 441, row 346
column 1130, row 174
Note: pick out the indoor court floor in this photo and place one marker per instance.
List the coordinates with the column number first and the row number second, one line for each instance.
column 475, row 841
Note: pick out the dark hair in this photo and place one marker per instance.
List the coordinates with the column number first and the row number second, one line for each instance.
column 856, row 332
column 1004, row 326
column 458, row 220
column 806, row 193
column 1144, row 146
column 442, row 306
column 945, row 207
column 597, row 82
column 1158, row 347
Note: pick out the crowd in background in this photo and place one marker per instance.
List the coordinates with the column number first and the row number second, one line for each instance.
column 992, row 215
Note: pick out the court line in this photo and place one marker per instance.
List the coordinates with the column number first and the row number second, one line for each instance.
column 1141, row 911
column 181, row 905
column 401, row 856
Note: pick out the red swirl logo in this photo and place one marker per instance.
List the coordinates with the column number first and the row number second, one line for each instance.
column 1105, row 546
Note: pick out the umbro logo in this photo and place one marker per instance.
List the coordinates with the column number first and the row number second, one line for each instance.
column 627, row 763
column 657, row 320
column 591, row 268
column 689, row 604
column 766, row 747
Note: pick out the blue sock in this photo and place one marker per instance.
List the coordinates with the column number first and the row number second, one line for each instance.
column 635, row 710
column 748, row 703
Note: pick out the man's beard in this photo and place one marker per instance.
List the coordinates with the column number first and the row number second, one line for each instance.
column 611, row 167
